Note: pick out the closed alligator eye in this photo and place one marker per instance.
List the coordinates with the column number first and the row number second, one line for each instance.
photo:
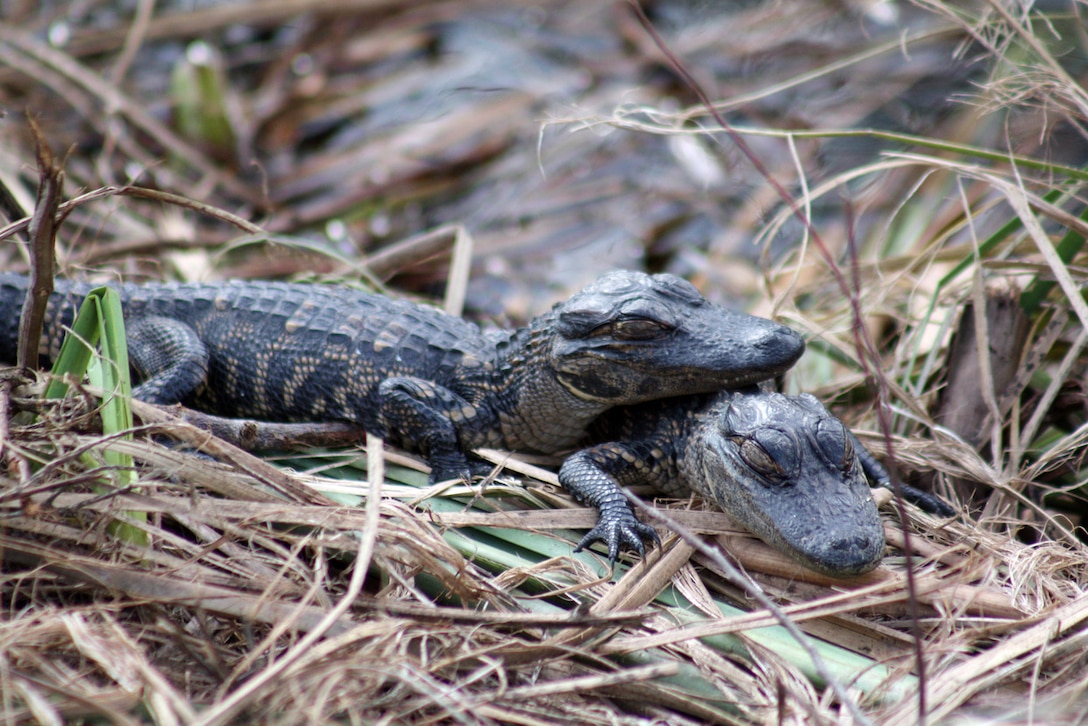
column 848, row 455
column 757, row 457
column 638, row 329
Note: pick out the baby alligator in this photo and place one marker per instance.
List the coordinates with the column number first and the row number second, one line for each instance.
column 781, row 466
column 426, row 380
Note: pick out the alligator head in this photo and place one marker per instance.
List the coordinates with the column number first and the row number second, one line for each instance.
column 632, row 337
column 787, row 470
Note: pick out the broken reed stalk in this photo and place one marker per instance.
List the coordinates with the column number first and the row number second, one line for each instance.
column 42, row 252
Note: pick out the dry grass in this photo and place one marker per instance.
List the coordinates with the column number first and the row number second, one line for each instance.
column 302, row 589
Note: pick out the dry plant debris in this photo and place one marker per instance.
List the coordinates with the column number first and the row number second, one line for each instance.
column 938, row 151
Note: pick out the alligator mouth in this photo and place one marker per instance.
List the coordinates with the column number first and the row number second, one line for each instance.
column 742, row 351
column 715, row 370
column 841, row 542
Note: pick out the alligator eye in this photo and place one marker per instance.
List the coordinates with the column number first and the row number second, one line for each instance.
column 757, row 457
column 848, row 455
column 638, row 329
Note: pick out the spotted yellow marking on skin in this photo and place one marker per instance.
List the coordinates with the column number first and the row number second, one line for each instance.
column 340, row 396
column 292, row 325
column 459, row 415
column 264, row 363
column 221, row 303
column 304, row 368
column 337, row 354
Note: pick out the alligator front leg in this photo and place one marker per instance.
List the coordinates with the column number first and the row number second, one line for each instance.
column 168, row 357
column 593, row 476
column 426, row 414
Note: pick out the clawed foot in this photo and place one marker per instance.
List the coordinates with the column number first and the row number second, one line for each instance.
column 446, row 467
column 618, row 529
column 458, row 467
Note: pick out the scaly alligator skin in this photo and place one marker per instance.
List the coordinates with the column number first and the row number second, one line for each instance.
column 781, row 466
column 423, row 379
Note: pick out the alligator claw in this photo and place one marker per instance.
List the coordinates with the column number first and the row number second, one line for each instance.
column 460, row 468
column 620, row 532
column 450, row 466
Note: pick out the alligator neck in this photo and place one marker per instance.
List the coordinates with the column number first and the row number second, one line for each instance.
column 528, row 413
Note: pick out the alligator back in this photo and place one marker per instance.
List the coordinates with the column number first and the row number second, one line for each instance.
column 283, row 351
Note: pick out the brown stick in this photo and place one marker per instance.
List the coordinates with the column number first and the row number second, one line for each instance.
column 265, row 436
column 42, row 252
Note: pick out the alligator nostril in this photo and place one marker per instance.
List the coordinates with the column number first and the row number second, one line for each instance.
column 784, row 344
column 791, row 340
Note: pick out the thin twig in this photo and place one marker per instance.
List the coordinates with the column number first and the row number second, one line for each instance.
column 42, row 250
column 140, row 193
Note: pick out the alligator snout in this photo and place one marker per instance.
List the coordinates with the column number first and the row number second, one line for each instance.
column 780, row 343
column 853, row 554
column 831, row 529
